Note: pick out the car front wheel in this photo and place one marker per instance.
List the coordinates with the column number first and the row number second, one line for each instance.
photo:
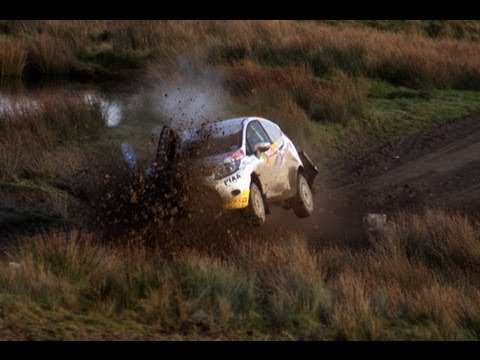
column 302, row 203
column 255, row 212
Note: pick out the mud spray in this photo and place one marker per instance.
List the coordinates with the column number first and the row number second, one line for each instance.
column 170, row 210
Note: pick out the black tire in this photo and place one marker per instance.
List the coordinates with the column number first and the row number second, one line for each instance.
column 255, row 212
column 302, row 203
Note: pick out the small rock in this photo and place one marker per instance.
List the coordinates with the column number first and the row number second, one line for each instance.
column 375, row 223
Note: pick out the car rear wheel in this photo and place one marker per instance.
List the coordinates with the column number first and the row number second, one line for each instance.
column 302, row 203
column 255, row 212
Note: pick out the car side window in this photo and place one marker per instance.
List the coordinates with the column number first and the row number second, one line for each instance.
column 272, row 129
column 255, row 134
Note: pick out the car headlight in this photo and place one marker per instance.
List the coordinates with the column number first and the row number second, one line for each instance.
column 227, row 169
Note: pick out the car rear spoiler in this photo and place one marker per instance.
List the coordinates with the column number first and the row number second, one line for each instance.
column 310, row 170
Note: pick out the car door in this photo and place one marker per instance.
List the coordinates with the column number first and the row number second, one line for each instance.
column 282, row 162
column 256, row 134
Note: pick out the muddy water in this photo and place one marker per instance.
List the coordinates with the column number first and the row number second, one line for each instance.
column 129, row 111
column 19, row 96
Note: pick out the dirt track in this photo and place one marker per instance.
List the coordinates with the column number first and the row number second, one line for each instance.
column 449, row 175
column 440, row 167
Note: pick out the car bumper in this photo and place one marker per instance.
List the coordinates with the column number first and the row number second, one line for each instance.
column 239, row 201
column 234, row 190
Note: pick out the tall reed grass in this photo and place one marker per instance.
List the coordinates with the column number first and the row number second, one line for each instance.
column 13, row 57
column 405, row 58
column 396, row 289
column 30, row 129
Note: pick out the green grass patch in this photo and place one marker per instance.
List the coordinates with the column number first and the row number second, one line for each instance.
column 400, row 112
column 394, row 113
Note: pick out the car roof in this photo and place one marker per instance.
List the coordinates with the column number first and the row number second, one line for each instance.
column 234, row 123
column 220, row 128
column 228, row 125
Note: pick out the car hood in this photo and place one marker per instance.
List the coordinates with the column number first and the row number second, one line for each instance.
column 214, row 160
column 210, row 163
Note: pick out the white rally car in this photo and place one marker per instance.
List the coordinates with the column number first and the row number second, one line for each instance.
column 250, row 163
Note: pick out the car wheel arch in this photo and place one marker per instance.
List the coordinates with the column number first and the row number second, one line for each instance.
column 256, row 179
column 292, row 177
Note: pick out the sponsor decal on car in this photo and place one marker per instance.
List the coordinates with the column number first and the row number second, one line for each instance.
column 237, row 202
column 272, row 151
column 269, row 152
column 237, row 154
column 279, row 160
column 231, row 179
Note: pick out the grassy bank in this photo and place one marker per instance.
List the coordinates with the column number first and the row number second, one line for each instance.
column 456, row 29
column 105, row 47
column 392, row 114
column 418, row 281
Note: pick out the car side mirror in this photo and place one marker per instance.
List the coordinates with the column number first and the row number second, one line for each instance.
column 262, row 147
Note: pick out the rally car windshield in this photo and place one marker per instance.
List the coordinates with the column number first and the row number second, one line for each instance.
column 210, row 143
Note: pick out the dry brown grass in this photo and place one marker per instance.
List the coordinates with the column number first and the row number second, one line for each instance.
column 281, row 288
column 13, row 57
column 353, row 316
column 403, row 58
column 51, row 54
column 29, row 130
column 423, row 272
column 436, row 238
column 290, row 283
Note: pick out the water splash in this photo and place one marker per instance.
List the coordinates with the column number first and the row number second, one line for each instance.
column 112, row 110
column 13, row 106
